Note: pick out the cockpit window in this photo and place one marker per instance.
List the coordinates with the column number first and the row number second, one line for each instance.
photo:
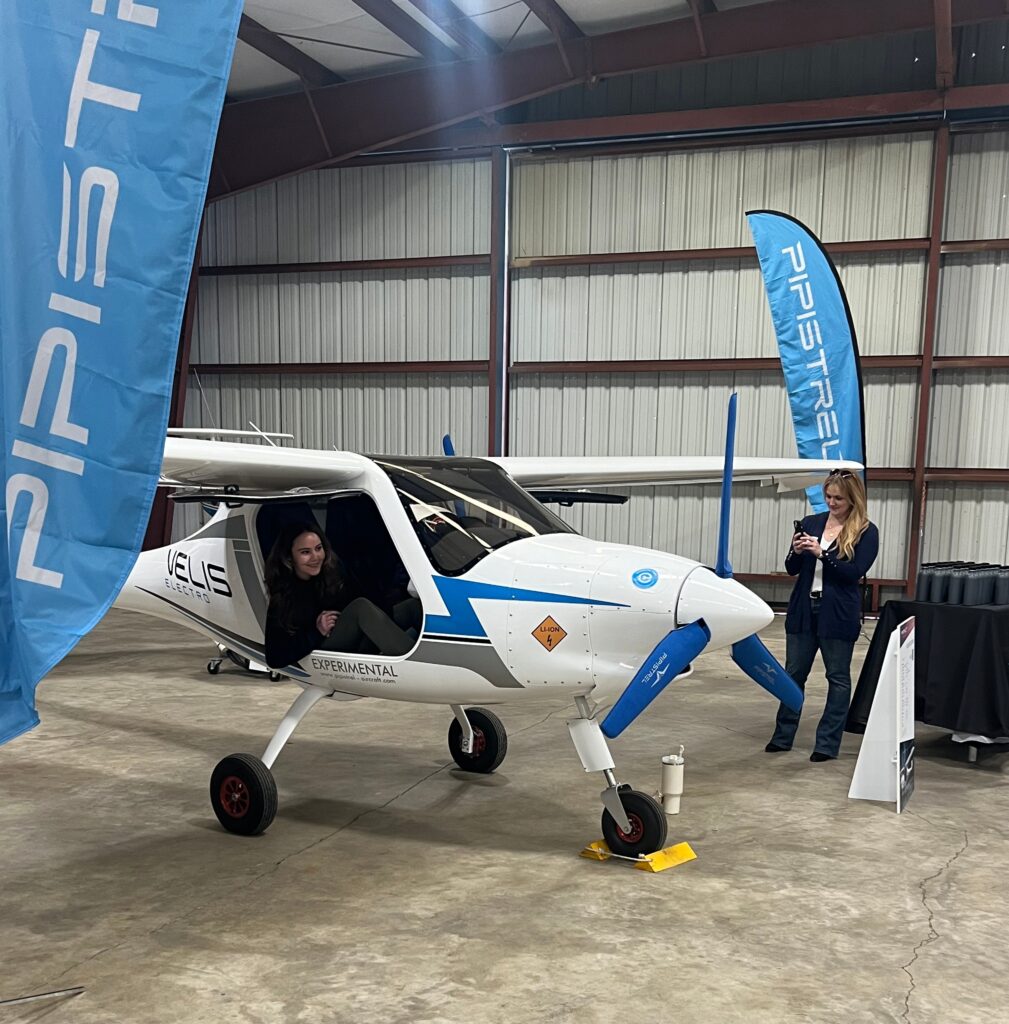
column 462, row 509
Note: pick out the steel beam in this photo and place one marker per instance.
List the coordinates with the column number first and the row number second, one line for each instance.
column 723, row 253
column 695, row 11
column 456, row 24
column 339, row 266
column 401, row 25
column 286, row 54
column 731, row 365
column 944, row 68
column 264, row 139
column 712, row 120
column 940, row 170
column 320, row 369
column 159, row 525
column 555, row 18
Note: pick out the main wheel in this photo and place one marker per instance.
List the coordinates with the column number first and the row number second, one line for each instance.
column 490, row 742
column 648, row 826
column 243, row 793
column 214, row 666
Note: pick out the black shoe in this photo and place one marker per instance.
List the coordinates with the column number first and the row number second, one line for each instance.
column 819, row 755
column 773, row 748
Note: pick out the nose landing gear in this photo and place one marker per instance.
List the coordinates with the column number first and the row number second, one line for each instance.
column 633, row 824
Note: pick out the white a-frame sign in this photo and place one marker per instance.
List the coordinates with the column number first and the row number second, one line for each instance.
column 885, row 766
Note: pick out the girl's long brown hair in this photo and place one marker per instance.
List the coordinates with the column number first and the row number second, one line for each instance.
column 858, row 519
column 280, row 578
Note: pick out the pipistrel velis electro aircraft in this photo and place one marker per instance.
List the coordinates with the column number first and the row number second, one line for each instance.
column 515, row 604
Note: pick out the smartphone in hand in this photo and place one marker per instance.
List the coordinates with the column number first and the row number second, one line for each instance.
column 798, row 526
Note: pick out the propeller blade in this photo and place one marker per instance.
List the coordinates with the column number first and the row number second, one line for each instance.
column 673, row 653
column 763, row 668
column 723, row 567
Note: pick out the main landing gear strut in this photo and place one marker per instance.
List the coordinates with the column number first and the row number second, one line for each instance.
column 243, row 791
column 633, row 823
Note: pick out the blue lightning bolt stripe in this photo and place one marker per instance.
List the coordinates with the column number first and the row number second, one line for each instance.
column 462, row 619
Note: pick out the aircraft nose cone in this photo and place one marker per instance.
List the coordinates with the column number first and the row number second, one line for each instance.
column 730, row 611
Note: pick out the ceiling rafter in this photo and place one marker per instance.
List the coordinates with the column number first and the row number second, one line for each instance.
column 555, row 18
column 412, row 32
column 944, row 66
column 278, row 49
column 562, row 28
column 456, row 24
column 695, row 11
column 361, row 116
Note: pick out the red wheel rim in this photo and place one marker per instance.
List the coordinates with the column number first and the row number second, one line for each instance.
column 234, row 797
column 479, row 743
column 637, row 830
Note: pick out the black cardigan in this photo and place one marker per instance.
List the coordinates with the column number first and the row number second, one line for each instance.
column 291, row 634
column 840, row 615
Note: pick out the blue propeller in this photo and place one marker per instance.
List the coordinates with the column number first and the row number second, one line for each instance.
column 750, row 654
column 674, row 652
column 446, row 445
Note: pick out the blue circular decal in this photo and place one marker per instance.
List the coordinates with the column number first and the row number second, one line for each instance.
column 645, row 578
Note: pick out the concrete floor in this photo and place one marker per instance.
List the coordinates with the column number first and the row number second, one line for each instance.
column 393, row 889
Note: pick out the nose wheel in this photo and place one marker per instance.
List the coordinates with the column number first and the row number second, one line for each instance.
column 646, row 821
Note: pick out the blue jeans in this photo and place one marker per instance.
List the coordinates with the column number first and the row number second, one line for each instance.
column 800, row 650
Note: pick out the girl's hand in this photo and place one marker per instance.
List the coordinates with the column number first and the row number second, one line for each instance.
column 326, row 621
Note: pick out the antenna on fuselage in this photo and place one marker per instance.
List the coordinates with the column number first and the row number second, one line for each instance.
column 263, row 434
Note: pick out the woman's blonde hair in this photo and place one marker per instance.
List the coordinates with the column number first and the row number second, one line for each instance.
column 850, row 484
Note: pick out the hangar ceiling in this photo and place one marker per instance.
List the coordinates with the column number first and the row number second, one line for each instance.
column 315, row 82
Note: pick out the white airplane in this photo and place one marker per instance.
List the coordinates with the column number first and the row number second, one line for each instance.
column 516, row 606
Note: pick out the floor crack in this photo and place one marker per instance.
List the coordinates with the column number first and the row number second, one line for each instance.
column 932, row 934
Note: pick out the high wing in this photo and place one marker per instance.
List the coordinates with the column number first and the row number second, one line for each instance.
column 643, row 471
column 218, row 464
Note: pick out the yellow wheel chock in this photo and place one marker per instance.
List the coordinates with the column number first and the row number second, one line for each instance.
column 670, row 857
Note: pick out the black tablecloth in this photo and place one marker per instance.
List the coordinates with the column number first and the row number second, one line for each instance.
column 961, row 668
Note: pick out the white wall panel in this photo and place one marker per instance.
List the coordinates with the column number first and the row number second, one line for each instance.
column 684, row 414
column 684, row 520
column 355, row 213
column 859, row 188
column 698, row 309
column 369, row 413
column 974, row 305
column 976, row 199
column 970, row 420
column 434, row 313
column 968, row 522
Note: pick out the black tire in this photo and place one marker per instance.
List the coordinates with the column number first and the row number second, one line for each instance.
column 491, row 742
column 243, row 793
column 648, row 826
column 275, row 677
column 213, row 666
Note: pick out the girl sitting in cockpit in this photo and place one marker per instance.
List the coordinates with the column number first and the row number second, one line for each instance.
column 312, row 609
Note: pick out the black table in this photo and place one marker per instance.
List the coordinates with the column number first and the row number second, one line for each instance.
column 961, row 667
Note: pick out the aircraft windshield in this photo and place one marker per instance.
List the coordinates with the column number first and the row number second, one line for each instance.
column 464, row 509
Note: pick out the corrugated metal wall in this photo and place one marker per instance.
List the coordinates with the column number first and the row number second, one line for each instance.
column 698, row 308
column 843, row 189
column 352, row 316
column 674, row 414
column 424, row 314
column 875, row 187
column 872, row 187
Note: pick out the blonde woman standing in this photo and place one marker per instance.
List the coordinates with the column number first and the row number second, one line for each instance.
column 830, row 552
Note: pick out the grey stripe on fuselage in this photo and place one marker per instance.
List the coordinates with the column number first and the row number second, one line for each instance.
column 479, row 658
column 233, row 529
